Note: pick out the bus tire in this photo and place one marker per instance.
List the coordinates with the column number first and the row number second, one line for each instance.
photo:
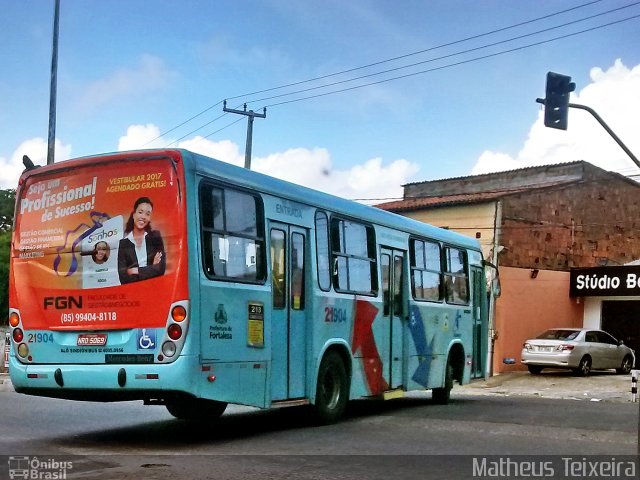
column 195, row 408
column 332, row 389
column 442, row 395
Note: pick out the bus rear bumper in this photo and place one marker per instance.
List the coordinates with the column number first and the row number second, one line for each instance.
column 104, row 382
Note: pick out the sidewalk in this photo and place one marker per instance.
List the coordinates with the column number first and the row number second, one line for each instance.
column 604, row 386
column 5, row 383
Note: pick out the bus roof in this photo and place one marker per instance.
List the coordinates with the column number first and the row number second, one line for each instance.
column 308, row 196
column 276, row 187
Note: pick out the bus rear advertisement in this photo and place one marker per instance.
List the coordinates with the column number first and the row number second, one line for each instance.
column 72, row 251
column 173, row 278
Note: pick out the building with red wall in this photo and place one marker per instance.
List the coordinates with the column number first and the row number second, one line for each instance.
column 537, row 224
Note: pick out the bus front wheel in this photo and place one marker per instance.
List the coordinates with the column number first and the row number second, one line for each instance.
column 195, row 408
column 332, row 390
column 442, row 395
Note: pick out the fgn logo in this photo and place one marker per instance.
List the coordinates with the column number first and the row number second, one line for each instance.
column 63, row 302
column 146, row 338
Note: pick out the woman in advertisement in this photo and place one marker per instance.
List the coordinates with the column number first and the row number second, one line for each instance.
column 141, row 252
column 100, row 253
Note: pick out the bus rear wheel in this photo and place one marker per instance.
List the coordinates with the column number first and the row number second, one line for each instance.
column 195, row 408
column 332, row 390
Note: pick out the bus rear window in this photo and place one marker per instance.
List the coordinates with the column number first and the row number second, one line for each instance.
column 232, row 238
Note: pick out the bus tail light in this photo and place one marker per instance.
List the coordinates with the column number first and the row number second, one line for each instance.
column 18, row 335
column 23, row 350
column 14, row 319
column 174, row 331
column 178, row 313
column 169, row 349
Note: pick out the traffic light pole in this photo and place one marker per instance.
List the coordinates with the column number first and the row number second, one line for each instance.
column 604, row 125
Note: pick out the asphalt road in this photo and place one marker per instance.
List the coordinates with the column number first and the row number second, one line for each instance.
column 410, row 437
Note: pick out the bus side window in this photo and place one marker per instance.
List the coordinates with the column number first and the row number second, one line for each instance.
column 322, row 251
column 354, row 250
column 232, row 225
column 278, row 268
column 385, row 266
column 456, row 276
column 426, row 270
column 297, row 271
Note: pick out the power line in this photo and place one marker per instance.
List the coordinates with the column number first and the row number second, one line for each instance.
column 185, row 122
column 483, row 57
column 199, row 128
column 519, row 37
column 382, row 62
column 442, row 67
column 212, row 133
column 443, row 45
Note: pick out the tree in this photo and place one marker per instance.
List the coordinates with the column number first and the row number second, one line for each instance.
column 7, row 203
column 5, row 245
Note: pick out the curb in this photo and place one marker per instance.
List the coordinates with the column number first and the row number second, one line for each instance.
column 5, row 383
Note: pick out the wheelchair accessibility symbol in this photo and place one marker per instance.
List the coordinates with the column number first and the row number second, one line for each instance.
column 146, row 341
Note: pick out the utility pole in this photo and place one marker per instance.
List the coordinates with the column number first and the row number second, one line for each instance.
column 251, row 115
column 51, row 147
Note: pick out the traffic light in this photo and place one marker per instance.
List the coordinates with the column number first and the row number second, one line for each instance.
column 556, row 103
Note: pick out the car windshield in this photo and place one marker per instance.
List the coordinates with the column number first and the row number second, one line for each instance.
column 559, row 335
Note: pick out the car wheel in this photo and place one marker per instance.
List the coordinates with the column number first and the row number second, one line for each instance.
column 584, row 367
column 627, row 364
column 534, row 369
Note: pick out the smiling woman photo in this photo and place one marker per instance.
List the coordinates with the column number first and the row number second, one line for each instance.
column 141, row 252
column 100, row 252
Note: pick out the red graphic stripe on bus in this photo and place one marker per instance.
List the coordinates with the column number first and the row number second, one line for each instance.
column 364, row 341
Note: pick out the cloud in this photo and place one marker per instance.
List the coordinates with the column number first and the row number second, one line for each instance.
column 36, row 150
column 141, row 136
column 150, row 74
column 615, row 95
column 309, row 167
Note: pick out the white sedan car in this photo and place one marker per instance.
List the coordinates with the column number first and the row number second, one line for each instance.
column 579, row 349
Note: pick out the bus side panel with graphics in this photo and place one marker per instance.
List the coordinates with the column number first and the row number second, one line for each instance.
column 264, row 293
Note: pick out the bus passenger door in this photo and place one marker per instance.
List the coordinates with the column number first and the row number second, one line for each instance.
column 479, row 322
column 288, row 318
column 394, row 305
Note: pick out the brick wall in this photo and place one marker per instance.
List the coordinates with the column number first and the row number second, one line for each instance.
column 595, row 222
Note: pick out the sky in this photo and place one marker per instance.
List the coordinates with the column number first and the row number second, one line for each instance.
column 362, row 96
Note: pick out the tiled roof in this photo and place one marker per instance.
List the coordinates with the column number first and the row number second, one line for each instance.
column 428, row 202
column 524, row 170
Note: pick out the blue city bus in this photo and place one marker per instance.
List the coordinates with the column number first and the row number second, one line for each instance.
column 180, row 280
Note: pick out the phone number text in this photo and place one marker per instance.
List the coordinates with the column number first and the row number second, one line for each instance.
column 88, row 317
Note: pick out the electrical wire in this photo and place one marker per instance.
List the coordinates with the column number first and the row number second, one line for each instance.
column 462, row 62
column 442, row 67
column 385, row 61
column 443, row 45
column 482, row 47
